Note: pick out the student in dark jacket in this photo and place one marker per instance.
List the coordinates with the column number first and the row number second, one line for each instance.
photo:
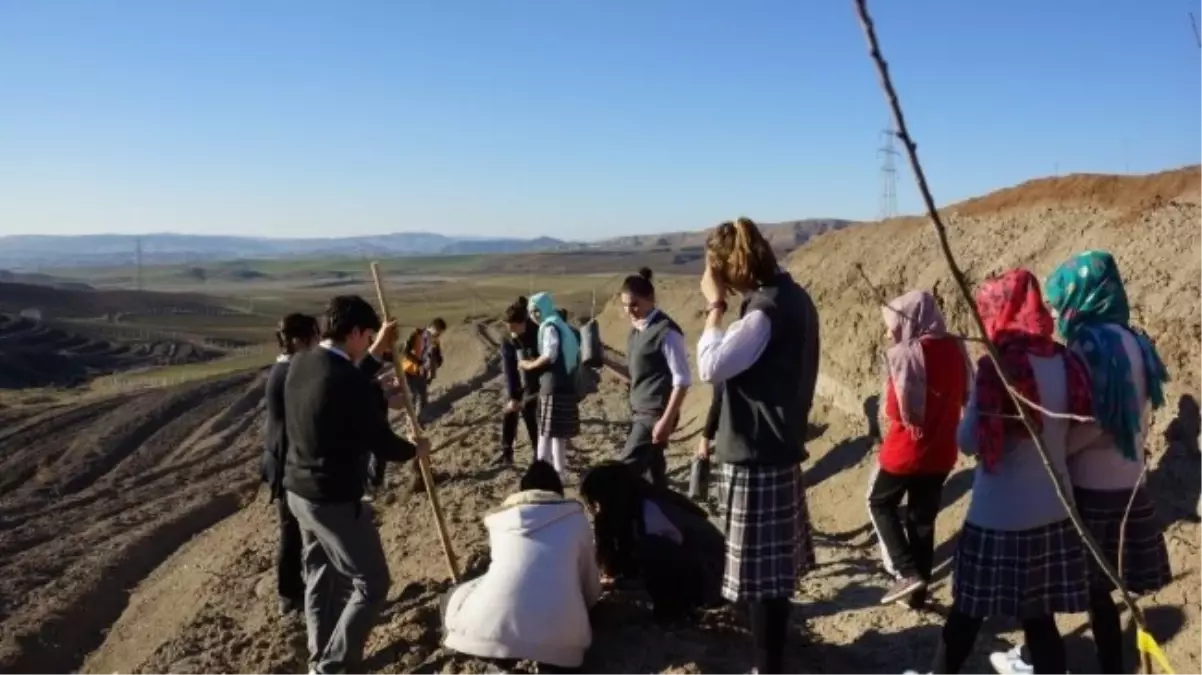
column 334, row 420
column 296, row 333
column 659, row 378
column 656, row 535
column 521, row 388
column 767, row 362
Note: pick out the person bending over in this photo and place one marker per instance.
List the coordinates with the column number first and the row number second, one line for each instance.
column 533, row 602
column 656, row 535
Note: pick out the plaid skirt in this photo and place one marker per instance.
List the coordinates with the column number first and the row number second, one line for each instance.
column 558, row 416
column 768, row 539
column 1023, row 574
column 1145, row 558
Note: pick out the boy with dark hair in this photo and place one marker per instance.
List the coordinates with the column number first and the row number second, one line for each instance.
column 334, row 419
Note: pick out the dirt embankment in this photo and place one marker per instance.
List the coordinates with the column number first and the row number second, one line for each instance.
column 38, row 354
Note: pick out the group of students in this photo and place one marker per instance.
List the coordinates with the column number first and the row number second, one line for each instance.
column 1017, row 553
column 643, row 532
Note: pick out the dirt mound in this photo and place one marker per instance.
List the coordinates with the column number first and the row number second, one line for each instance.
column 1089, row 189
column 38, row 354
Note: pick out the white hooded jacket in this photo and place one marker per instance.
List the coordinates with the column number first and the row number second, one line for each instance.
column 533, row 602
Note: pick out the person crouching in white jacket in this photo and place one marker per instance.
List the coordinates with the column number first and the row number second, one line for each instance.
column 533, row 602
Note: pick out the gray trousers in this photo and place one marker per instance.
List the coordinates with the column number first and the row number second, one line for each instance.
column 346, row 580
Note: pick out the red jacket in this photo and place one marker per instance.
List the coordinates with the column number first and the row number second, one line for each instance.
column 935, row 452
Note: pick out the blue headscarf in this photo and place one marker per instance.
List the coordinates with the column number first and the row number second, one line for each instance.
column 1086, row 293
column 569, row 347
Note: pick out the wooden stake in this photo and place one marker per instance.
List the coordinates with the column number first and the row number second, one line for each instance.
column 423, row 463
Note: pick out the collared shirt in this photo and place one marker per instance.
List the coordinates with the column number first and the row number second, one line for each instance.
column 723, row 355
column 329, row 345
column 673, row 349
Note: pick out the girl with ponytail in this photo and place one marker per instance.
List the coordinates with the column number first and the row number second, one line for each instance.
column 767, row 365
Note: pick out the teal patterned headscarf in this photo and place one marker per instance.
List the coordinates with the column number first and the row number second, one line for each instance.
column 1086, row 293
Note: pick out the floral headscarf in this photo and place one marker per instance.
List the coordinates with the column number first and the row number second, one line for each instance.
column 1086, row 293
column 1019, row 324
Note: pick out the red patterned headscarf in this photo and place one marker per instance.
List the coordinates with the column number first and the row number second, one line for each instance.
column 1020, row 325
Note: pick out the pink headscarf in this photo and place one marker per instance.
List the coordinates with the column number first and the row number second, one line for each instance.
column 910, row 318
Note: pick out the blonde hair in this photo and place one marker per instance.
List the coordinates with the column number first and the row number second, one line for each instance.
column 740, row 255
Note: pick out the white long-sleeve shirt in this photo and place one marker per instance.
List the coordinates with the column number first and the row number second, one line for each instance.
column 673, row 349
column 722, row 355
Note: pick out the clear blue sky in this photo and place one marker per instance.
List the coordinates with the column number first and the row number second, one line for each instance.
column 573, row 118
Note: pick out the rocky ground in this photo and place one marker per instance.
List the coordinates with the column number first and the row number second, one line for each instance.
column 133, row 538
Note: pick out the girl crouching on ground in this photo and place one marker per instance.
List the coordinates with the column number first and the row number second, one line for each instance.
column 1087, row 296
column 1018, row 554
column 654, row 534
column 533, row 602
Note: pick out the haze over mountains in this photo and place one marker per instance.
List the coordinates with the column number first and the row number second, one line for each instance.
column 35, row 252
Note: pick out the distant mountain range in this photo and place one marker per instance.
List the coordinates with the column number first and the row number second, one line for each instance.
column 38, row 252
column 103, row 250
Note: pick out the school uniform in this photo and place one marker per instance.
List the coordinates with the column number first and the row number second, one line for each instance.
column 558, row 412
column 658, row 364
column 290, row 584
column 520, row 386
column 760, row 441
column 334, row 421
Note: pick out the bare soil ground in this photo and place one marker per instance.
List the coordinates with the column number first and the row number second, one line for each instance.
column 132, row 537
column 37, row 354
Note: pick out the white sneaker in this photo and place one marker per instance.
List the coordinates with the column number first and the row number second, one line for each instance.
column 1011, row 662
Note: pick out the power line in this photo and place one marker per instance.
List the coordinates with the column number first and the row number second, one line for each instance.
column 887, row 153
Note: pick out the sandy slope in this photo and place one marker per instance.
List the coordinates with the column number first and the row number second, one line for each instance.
column 207, row 605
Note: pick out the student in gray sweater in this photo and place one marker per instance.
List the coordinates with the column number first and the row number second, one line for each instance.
column 1018, row 554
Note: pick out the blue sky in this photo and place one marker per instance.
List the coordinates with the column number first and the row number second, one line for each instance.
column 571, row 118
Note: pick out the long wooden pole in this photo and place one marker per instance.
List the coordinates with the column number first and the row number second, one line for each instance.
column 423, row 463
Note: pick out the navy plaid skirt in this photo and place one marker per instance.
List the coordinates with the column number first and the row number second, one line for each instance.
column 558, row 416
column 768, row 538
column 1021, row 574
column 1145, row 565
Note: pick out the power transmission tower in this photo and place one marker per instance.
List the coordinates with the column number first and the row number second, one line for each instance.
column 887, row 153
column 138, row 263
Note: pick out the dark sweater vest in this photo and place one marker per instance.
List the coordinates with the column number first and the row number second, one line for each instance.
column 650, row 376
column 765, row 410
column 519, row 383
column 555, row 379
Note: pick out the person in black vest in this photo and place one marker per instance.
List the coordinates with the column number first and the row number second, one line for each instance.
column 296, row 333
column 556, row 369
column 521, row 388
column 335, row 417
column 767, row 362
column 659, row 378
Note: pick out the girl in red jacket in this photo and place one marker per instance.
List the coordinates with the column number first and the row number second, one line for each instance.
column 924, row 394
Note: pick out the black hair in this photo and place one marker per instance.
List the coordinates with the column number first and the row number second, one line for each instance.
column 639, row 284
column 438, row 324
column 541, row 476
column 345, row 313
column 295, row 329
column 517, row 312
column 617, row 492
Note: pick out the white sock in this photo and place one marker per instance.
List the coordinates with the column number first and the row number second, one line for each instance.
column 544, row 449
column 559, row 453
